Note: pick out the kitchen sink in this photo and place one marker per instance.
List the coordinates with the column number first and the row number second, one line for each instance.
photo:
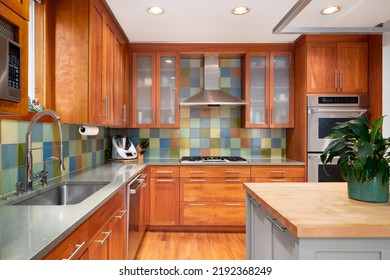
column 64, row 193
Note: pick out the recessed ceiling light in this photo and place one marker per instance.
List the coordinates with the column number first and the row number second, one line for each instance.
column 240, row 11
column 155, row 11
column 330, row 10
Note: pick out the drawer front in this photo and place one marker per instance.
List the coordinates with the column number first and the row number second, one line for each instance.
column 164, row 171
column 277, row 180
column 212, row 213
column 212, row 189
column 215, row 171
column 277, row 171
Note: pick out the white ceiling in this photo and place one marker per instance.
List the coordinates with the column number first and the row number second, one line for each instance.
column 211, row 21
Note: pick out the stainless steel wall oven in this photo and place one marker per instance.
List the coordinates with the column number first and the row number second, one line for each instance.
column 323, row 113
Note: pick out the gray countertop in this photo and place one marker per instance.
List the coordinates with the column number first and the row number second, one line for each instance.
column 30, row 232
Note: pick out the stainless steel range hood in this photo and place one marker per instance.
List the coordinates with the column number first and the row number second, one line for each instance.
column 212, row 96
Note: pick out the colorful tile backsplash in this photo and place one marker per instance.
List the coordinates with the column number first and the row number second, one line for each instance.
column 79, row 151
column 210, row 131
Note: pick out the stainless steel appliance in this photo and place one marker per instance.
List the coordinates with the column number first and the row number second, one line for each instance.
column 9, row 70
column 212, row 159
column 323, row 113
column 134, row 206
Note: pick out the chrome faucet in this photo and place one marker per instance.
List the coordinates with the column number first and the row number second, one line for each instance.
column 30, row 176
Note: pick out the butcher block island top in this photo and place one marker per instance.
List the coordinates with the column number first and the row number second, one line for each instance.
column 310, row 210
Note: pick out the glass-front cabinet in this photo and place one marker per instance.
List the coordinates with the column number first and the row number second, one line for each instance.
column 268, row 90
column 155, row 90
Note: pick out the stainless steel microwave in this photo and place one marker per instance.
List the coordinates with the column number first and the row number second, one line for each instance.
column 9, row 70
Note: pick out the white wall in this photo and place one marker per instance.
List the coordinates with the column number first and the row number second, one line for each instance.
column 386, row 82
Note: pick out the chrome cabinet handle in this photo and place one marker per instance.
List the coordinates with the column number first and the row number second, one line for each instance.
column 273, row 221
column 124, row 113
column 232, row 204
column 197, row 172
column 197, row 180
column 107, row 233
column 164, row 180
column 197, row 204
column 232, row 180
column 121, row 216
column 165, row 172
column 278, row 172
column 341, row 79
column 232, row 172
column 78, row 248
column 278, row 180
column 335, row 79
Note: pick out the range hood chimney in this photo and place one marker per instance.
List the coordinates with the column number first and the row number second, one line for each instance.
column 212, row 95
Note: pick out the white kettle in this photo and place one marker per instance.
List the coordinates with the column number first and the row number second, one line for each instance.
column 123, row 148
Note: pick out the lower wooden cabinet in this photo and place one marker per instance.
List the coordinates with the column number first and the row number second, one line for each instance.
column 278, row 173
column 100, row 237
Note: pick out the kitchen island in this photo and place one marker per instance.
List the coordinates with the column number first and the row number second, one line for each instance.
column 314, row 221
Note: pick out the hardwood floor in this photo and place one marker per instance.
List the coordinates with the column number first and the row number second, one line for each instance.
column 192, row 246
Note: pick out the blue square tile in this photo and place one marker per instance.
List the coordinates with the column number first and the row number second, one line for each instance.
column 225, row 132
column 236, row 92
column 184, row 93
column 195, row 113
column 205, row 143
column 65, row 145
column 276, row 143
column 235, row 82
column 194, row 132
column 225, row 142
column 225, row 72
column 195, row 72
column 134, row 132
column 164, row 143
column 225, row 122
column 47, row 150
column 255, row 143
column 164, row 153
column 204, row 123
column 255, row 153
column 236, row 152
column 195, row 82
column 9, row 155
column 184, row 63
column 37, row 132
column 72, row 164
column 194, row 152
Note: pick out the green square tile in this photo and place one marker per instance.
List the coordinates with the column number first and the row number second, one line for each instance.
column 215, row 151
column 9, row 132
column 225, row 82
column 225, row 152
column 276, row 153
column 255, row 133
column 22, row 129
column 235, row 123
column 195, row 63
column 37, row 151
column 235, row 143
column 194, row 91
column 276, row 133
column 245, row 153
column 215, row 143
column 215, row 122
column 1, row 156
column 9, row 177
column 184, row 72
column 265, row 153
column 174, row 153
column 154, row 142
column 265, row 143
column 195, row 123
column 184, row 133
column 48, row 133
column 72, row 147
column 194, row 143
column 205, row 133
column 144, row 133
column 185, row 123
column 283, row 153
column 225, row 112
column 154, row 153
column 184, row 152
column 21, row 154
column 164, row 133
column 235, row 63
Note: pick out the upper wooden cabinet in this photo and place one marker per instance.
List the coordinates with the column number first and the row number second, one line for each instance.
column 155, row 90
column 89, row 63
column 19, row 35
column 268, row 90
column 337, row 67
column 21, row 7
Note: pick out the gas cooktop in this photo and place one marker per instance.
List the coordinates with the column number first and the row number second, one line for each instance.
column 212, row 159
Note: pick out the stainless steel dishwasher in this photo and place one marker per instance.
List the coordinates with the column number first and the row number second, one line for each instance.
column 133, row 215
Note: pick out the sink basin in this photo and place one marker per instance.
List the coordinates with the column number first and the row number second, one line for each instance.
column 64, row 193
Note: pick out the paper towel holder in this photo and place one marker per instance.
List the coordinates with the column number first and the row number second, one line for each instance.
column 88, row 130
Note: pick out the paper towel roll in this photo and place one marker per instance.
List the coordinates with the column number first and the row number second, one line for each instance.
column 88, row 130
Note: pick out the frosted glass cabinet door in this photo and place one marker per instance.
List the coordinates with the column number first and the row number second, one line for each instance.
column 258, row 90
column 280, row 113
column 167, row 90
column 144, row 89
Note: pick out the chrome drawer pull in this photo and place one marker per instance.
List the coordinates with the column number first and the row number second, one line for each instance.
column 165, row 172
column 121, row 216
column 232, row 172
column 198, row 180
column 78, row 247
column 107, row 233
column 278, row 172
column 197, row 204
column 273, row 221
column 280, row 180
column 232, row 204
column 164, row 180
column 197, row 172
column 233, row 180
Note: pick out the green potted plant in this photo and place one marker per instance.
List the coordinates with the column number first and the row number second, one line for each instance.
column 364, row 158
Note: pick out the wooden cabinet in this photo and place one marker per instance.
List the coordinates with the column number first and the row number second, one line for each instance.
column 89, row 85
column 337, row 67
column 213, row 195
column 20, row 36
column 101, row 236
column 21, row 7
column 268, row 90
column 164, row 195
column 278, row 173
column 155, row 90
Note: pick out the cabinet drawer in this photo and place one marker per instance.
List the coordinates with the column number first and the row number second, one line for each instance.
column 215, row 171
column 212, row 189
column 164, row 171
column 212, row 213
column 276, row 171
column 277, row 180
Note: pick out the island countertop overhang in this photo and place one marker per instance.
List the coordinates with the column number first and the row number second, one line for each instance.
column 321, row 210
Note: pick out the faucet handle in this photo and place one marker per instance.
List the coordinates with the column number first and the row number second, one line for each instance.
column 19, row 187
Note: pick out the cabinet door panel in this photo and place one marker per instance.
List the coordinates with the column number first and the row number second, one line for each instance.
column 164, row 201
column 321, row 67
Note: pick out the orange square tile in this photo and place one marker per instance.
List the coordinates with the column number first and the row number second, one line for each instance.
column 245, row 142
